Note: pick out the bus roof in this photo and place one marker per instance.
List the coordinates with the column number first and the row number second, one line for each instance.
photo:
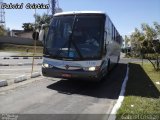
column 79, row 12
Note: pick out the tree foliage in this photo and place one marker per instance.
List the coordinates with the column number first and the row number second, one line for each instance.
column 2, row 31
column 136, row 39
column 144, row 42
column 27, row 27
column 39, row 20
column 127, row 40
column 157, row 28
column 44, row 19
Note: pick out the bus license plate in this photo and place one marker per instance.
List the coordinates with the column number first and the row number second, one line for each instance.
column 66, row 75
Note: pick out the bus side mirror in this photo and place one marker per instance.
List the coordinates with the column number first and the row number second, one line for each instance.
column 42, row 33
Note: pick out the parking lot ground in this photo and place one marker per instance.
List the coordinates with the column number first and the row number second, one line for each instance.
column 71, row 99
column 11, row 72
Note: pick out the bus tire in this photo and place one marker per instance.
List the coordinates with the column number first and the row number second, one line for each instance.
column 107, row 71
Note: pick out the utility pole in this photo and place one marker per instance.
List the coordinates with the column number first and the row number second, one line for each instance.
column 53, row 3
column 2, row 15
column 54, row 7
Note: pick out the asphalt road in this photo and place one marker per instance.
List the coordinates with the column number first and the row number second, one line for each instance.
column 19, row 61
column 11, row 68
column 3, row 54
column 55, row 99
column 10, row 72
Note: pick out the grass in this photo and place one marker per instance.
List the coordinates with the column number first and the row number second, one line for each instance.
column 21, row 50
column 142, row 97
column 152, row 56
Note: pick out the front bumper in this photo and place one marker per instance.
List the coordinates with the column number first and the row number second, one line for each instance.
column 71, row 74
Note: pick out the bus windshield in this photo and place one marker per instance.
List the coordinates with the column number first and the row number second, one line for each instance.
column 75, row 37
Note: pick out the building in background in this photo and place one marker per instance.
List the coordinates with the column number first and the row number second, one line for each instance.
column 13, row 33
column 21, row 34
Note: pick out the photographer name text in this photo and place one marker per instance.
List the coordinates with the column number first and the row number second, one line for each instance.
column 22, row 5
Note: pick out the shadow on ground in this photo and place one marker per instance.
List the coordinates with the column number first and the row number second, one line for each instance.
column 109, row 88
column 140, row 80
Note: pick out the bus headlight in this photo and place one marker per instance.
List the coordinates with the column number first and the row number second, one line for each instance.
column 46, row 65
column 91, row 68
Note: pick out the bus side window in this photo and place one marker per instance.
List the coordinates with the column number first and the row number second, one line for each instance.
column 105, row 42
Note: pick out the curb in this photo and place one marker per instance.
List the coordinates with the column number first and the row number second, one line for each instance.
column 3, row 83
column 120, row 98
column 19, row 64
column 18, row 79
column 4, row 64
column 25, row 56
column 20, row 57
column 36, row 74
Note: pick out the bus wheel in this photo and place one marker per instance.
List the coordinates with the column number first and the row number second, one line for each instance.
column 106, row 72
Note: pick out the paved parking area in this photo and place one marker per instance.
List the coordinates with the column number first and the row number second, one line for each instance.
column 13, row 67
column 2, row 54
column 10, row 72
column 19, row 61
column 52, row 96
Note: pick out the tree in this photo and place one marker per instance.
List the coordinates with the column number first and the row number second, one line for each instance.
column 157, row 28
column 44, row 19
column 144, row 42
column 149, row 32
column 27, row 27
column 127, row 40
column 136, row 39
column 149, row 43
column 2, row 31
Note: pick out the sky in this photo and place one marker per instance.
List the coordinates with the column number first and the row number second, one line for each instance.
column 126, row 15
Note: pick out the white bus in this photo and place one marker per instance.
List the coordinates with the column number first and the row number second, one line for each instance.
column 82, row 45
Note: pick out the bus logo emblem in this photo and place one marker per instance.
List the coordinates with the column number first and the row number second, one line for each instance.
column 67, row 67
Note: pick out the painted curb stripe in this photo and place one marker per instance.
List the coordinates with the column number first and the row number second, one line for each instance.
column 3, row 83
column 19, row 64
column 6, row 58
column 36, row 74
column 19, row 79
column 121, row 97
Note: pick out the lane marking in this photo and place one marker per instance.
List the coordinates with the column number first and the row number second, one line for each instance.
column 121, row 97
